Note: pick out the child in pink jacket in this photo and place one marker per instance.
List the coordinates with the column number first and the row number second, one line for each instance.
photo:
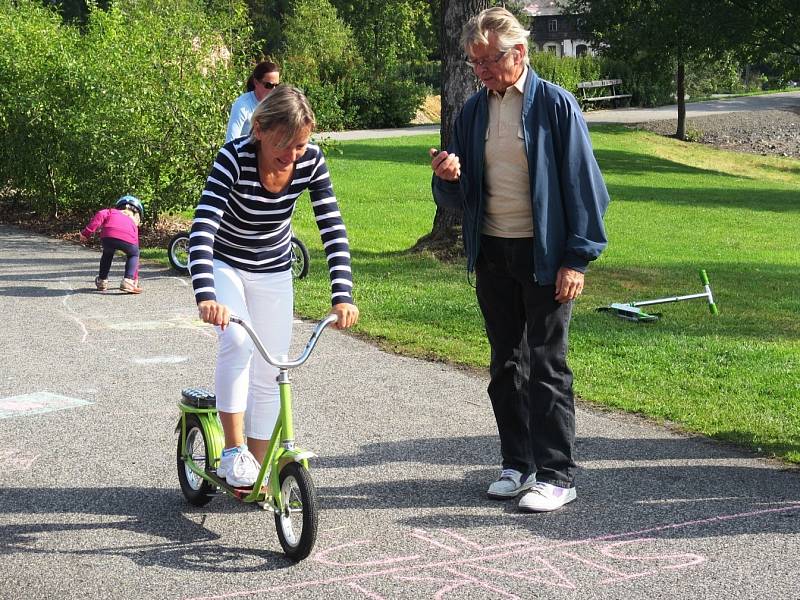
column 119, row 230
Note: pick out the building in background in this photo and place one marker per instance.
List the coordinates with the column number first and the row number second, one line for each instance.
column 554, row 31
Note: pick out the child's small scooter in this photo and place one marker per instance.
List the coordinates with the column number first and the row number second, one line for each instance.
column 178, row 255
column 283, row 485
column 632, row 312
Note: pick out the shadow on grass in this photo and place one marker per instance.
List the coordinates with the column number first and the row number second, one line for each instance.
column 672, row 190
column 625, row 163
column 761, row 304
column 755, row 198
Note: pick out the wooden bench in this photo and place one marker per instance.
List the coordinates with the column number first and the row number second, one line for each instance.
column 610, row 96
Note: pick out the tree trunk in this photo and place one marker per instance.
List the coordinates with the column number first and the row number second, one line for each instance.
column 458, row 84
column 681, row 81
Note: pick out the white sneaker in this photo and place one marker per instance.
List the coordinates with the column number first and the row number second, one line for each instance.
column 240, row 468
column 545, row 497
column 510, row 483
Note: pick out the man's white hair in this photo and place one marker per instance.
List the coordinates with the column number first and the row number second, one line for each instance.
column 507, row 29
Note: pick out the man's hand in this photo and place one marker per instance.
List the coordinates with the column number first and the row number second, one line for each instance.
column 84, row 239
column 569, row 285
column 214, row 313
column 347, row 314
column 445, row 166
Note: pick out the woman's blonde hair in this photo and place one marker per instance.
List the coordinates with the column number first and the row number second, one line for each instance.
column 502, row 23
column 286, row 109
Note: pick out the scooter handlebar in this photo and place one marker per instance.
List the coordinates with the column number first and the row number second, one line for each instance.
column 711, row 304
column 286, row 364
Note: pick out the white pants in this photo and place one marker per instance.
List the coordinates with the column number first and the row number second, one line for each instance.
column 246, row 382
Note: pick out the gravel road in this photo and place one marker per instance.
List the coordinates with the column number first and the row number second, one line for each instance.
column 766, row 132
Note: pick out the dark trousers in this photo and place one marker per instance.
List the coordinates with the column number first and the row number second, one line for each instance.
column 530, row 383
column 110, row 246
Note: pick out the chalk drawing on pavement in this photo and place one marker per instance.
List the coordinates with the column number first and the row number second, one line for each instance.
column 36, row 403
column 173, row 323
column 16, row 460
column 442, row 564
column 161, row 360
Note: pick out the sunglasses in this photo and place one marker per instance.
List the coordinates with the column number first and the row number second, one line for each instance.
column 268, row 84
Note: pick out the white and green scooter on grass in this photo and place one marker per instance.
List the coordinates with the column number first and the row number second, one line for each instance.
column 284, row 484
column 631, row 311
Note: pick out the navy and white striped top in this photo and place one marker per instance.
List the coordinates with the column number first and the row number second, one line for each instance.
column 243, row 224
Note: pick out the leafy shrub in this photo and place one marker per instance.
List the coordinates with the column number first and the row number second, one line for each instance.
column 706, row 77
column 135, row 104
column 649, row 82
column 386, row 102
column 36, row 58
column 566, row 71
column 322, row 58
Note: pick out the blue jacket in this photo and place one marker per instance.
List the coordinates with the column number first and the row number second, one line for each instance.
column 568, row 195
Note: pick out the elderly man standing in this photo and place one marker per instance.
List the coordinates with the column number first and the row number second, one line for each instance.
column 520, row 166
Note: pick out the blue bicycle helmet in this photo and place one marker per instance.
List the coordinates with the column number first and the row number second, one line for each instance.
column 131, row 201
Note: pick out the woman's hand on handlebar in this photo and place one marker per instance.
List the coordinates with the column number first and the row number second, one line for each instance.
column 347, row 315
column 213, row 312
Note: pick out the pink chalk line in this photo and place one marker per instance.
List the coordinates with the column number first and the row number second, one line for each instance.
column 321, row 556
column 15, row 460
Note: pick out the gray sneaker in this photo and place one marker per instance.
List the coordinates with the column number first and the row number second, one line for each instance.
column 546, row 497
column 510, row 484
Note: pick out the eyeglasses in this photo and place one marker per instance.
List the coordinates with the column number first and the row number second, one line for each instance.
column 486, row 62
column 268, row 84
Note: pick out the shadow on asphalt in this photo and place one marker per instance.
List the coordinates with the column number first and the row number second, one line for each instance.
column 483, row 450
column 614, row 496
column 680, row 502
column 150, row 512
column 30, row 291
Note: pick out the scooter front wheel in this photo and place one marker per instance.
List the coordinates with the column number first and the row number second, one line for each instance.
column 196, row 490
column 297, row 522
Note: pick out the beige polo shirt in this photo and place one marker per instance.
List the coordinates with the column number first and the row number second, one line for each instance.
column 506, row 181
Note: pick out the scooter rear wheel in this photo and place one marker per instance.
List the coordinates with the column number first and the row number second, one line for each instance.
column 300, row 258
column 178, row 252
column 297, row 522
column 196, row 490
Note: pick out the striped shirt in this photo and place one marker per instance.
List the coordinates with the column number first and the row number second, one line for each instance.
column 248, row 227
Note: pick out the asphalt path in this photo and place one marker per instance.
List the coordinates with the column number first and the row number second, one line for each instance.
column 90, row 505
column 778, row 101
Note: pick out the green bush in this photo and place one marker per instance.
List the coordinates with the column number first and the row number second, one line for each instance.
column 649, row 83
column 36, row 58
column 386, row 102
column 422, row 72
column 135, row 104
column 322, row 58
column 566, row 71
column 706, row 77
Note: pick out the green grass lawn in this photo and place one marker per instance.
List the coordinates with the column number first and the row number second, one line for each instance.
column 676, row 208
